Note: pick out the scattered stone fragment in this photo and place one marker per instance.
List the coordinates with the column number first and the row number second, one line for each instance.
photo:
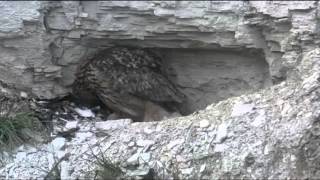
column 133, row 159
column 71, row 125
column 58, row 143
column 175, row 143
column 144, row 158
column 139, row 172
column 259, row 120
column 23, row 94
column 148, row 130
column 84, row 112
column 82, row 136
column 20, row 156
column 143, row 143
column 240, row 109
column 204, row 123
column 222, row 133
column 181, row 159
column 83, row 15
column 131, row 144
column 220, row 147
column 112, row 124
column 202, row 168
column 187, row 171
column 65, row 170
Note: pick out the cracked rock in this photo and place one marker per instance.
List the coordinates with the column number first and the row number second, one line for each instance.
column 250, row 70
column 112, row 124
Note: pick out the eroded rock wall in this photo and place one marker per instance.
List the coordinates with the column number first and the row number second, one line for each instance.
column 42, row 42
column 270, row 134
column 209, row 76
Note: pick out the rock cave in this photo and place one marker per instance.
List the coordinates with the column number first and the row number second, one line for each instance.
column 250, row 71
column 209, row 75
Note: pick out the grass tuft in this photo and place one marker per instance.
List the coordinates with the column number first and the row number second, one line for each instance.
column 11, row 128
column 15, row 120
column 104, row 168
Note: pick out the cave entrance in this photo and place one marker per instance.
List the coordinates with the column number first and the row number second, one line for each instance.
column 208, row 76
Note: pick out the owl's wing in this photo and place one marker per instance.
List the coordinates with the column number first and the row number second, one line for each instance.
column 136, row 72
column 149, row 85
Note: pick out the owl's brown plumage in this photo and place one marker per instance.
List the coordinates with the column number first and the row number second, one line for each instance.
column 124, row 79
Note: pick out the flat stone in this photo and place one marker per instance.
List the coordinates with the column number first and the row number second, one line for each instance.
column 241, row 109
column 204, row 123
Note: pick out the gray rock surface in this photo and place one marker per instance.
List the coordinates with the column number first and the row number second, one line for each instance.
column 42, row 42
column 254, row 129
column 271, row 134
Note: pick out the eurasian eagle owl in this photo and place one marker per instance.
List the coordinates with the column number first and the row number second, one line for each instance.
column 124, row 79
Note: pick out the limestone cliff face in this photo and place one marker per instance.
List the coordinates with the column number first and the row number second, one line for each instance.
column 214, row 51
column 42, row 42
